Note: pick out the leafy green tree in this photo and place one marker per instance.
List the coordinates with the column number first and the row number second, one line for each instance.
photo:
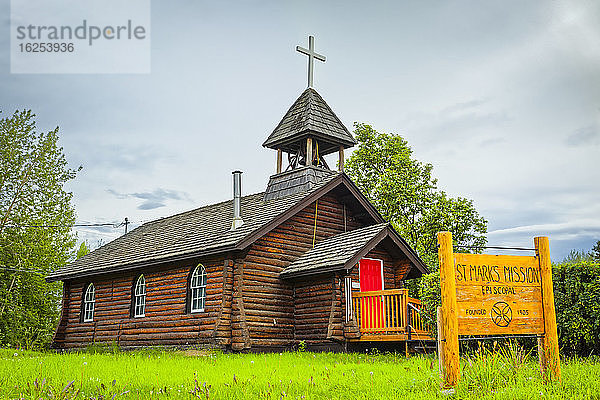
column 36, row 216
column 405, row 193
column 595, row 253
column 82, row 250
column 577, row 256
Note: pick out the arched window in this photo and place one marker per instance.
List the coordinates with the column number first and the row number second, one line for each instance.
column 139, row 297
column 89, row 300
column 198, row 289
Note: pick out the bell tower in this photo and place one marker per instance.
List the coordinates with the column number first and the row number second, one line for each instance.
column 307, row 132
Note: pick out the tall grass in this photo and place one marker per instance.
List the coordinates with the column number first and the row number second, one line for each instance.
column 487, row 373
column 510, row 372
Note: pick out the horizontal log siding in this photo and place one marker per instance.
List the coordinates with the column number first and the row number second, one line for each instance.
column 268, row 301
column 313, row 309
column 166, row 321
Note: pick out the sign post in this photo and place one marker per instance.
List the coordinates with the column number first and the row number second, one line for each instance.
column 496, row 295
column 549, row 357
column 449, row 315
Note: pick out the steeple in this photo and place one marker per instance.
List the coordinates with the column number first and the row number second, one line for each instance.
column 310, row 129
column 307, row 132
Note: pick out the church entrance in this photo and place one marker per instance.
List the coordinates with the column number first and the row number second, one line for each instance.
column 371, row 279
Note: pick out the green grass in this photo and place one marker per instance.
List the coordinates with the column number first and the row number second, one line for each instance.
column 303, row 375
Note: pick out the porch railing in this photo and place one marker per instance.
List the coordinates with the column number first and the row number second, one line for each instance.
column 388, row 312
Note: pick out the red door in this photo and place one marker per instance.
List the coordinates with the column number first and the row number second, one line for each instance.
column 371, row 279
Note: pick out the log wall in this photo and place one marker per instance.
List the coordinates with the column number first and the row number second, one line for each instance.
column 318, row 310
column 166, row 321
column 272, row 316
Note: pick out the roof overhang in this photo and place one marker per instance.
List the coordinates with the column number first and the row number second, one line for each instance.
column 142, row 264
column 418, row 267
column 292, row 144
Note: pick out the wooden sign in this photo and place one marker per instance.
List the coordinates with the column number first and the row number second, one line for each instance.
column 495, row 295
column 498, row 294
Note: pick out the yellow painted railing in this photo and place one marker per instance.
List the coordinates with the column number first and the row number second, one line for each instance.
column 387, row 312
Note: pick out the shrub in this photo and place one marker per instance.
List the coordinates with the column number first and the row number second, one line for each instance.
column 577, row 301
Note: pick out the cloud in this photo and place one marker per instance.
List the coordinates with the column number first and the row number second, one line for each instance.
column 491, row 141
column 150, row 205
column 564, row 237
column 462, row 106
column 585, row 136
column 568, row 229
column 108, row 157
column 154, row 199
column 466, row 119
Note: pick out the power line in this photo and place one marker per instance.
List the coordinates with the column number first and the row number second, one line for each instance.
column 494, row 247
column 117, row 225
column 81, row 224
column 30, row 270
column 112, row 225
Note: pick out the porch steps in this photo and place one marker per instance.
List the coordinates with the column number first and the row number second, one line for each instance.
column 425, row 347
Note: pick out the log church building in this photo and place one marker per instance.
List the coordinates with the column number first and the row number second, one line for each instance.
column 308, row 260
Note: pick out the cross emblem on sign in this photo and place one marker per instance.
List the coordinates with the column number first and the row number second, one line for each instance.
column 310, row 52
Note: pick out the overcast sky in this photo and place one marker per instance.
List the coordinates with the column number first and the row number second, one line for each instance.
column 503, row 98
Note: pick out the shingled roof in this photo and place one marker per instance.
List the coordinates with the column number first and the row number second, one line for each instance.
column 310, row 116
column 344, row 250
column 199, row 232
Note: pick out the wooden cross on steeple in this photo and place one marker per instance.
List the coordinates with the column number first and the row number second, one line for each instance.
column 310, row 52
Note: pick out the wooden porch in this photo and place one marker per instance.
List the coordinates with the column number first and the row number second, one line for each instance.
column 389, row 315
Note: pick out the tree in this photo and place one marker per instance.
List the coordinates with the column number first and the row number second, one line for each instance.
column 36, row 216
column 595, row 253
column 82, row 250
column 406, row 194
column 577, row 256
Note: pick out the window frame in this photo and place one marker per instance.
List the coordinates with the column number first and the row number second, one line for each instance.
column 197, row 289
column 139, row 282
column 86, row 301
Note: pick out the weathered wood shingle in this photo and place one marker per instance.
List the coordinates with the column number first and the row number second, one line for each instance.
column 310, row 116
column 297, row 180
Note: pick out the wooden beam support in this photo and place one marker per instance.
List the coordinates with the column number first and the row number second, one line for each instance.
column 279, row 160
column 449, row 310
column 341, row 159
column 240, row 336
column 309, row 151
column 331, row 324
column 549, row 357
